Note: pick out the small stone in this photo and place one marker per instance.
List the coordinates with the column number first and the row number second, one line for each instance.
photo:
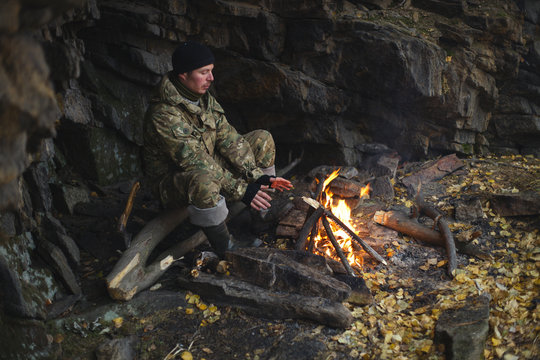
column 464, row 330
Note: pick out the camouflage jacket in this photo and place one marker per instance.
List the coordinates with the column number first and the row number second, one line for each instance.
column 182, row 136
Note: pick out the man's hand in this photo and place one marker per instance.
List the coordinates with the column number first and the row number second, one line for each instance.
column 280, row 183
column 261, row 201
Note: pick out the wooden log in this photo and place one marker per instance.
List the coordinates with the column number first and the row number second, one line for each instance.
column 307, row 228
column 338, row 249
column 275, row 271
column 131, row 274
column 229, row 291
column 399, row 221
column 345, row 188
column 313, row 234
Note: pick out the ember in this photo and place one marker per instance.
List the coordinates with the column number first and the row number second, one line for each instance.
column 322, row 244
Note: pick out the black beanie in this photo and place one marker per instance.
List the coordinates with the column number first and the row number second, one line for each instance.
column 189, row 56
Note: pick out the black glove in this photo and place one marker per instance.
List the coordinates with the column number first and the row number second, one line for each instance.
column 251, row 191
column 265, row 180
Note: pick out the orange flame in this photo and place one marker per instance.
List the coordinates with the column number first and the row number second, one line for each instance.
column 341, row 209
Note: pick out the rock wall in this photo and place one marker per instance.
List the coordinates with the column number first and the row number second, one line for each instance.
column 425, row 77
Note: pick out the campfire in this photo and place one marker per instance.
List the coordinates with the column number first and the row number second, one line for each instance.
column 321, row 242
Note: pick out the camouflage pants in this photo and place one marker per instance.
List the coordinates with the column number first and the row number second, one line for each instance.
column 201, row 187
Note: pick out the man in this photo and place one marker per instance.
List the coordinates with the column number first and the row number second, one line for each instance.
column 193, row 156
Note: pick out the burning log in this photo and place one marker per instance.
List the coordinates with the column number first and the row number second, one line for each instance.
column 315, row 204
column 308, row 227
column 355, row 237
column 346, row 188
column 338, row 249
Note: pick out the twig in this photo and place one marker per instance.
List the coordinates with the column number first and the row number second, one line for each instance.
column 122, row 221
column 338, row 249
column 355, row 237
column 307, row 228
column 312, row 235
column 437, row 217
column 175, row 351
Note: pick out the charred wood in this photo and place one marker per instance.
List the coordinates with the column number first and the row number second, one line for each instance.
column 275, row 271
column 337, row 248
column 229, row 291
column 308, row 227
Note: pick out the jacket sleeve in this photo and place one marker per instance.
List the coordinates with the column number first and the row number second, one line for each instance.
column 183, row 147
column 236, row 150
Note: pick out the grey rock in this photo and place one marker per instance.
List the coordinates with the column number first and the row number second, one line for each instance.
column 8, row 223
column 100, row 154
column 464, row 330
column 66, row 197
column 57, row 234
column 382, row 188
column 13, row 300
column 519, row 204
column 468, row 209
column 37, row 178
column 57, row 260
column 117, row 349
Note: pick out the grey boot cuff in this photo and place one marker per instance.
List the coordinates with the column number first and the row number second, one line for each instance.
column 208, row 217
column 271, row 171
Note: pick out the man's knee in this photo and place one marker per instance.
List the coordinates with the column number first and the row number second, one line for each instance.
column 199, row 187
column 203, row 188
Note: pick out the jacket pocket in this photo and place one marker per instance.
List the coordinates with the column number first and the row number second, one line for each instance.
column 181, row 130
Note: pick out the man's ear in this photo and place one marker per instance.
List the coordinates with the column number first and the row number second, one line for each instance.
column 182, row 76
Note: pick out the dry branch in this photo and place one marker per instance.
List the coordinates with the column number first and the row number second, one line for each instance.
column 122, row 221
column 338, row 249
column 439, row 220
column 131, row 275
column 355, row 237
column 310, row 223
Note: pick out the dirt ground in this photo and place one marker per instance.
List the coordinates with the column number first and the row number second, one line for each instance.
column 409, row 294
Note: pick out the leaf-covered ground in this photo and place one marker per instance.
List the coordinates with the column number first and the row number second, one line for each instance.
column 409, row 294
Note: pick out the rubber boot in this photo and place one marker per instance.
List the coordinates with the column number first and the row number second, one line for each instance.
column 221, row 240
column 219, row 237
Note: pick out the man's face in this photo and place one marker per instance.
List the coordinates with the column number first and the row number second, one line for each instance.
column 198, row 80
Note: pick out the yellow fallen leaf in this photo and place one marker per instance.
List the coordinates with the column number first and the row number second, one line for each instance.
column 118, row 322
column 495, row 341
column 441, row 263
column 186, row 355
column 58, row 338
column 189, row 311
